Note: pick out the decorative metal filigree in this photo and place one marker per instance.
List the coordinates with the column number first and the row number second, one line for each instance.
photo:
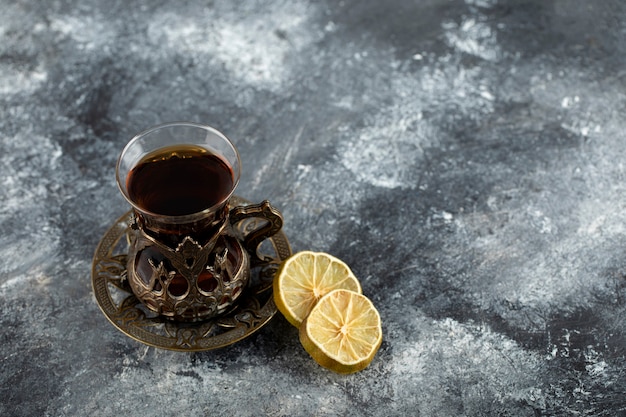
column 115, row 298
column 190, row 281
column 174, row 286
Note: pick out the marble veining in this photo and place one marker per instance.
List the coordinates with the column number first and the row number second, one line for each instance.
column 464, row 157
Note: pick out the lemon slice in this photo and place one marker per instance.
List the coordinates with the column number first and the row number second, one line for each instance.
column 304, row 278
column 343, row 332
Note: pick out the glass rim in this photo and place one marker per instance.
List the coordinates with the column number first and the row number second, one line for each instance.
column 121, row 182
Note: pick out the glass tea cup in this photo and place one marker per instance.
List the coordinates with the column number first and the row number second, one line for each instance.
column 187, row 260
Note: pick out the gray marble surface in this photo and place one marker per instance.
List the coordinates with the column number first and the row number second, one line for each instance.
column 465, row 158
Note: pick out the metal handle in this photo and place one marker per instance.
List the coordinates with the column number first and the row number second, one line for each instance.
column 252, row 240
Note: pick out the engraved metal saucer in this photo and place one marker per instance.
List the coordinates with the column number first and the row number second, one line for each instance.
column 120, row 306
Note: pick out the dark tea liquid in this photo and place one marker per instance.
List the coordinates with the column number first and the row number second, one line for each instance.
column 180, row 180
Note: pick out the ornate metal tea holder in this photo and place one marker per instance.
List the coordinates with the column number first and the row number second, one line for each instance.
column 253, row 309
